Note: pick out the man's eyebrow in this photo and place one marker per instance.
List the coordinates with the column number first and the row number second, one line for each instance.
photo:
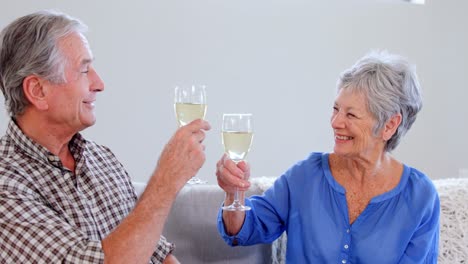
column 86, row 61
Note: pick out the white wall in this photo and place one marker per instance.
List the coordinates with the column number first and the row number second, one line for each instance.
column 277, row 59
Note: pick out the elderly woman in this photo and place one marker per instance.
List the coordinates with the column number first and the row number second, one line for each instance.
column 357, row 204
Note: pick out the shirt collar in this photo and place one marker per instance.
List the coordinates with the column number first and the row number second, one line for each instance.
column 30, row 147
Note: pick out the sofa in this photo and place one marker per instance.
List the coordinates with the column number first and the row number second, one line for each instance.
column 191, row 225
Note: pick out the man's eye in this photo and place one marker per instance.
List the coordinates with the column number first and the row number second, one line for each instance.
column 351, row 115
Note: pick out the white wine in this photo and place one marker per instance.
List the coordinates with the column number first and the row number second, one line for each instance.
column 186, row 112
column 237, row 144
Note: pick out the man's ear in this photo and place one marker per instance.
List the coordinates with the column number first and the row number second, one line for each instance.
column 391, row 126
column 34, row 91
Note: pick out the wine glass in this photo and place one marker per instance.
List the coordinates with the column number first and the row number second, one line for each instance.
column 190, row 104
column 237, row 139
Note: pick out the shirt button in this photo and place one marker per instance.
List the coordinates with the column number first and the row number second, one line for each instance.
column 347, row 230
column 51, row 158
column 343, row 261
column 346, row 246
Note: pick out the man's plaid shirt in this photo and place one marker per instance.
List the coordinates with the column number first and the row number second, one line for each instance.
column 48, row 214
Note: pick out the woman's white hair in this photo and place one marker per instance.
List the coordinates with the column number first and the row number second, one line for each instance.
column 390, row 85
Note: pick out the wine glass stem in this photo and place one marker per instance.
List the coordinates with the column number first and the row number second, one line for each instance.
column 236, row 193
column 236, row 196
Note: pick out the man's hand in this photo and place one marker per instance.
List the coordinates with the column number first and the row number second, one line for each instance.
column 183, row 155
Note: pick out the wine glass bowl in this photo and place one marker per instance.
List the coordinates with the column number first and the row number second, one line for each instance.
column 189, row 105
column 237, row 135
column 237, row 144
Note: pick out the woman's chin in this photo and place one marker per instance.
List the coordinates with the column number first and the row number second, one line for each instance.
column 342, row 151
column 338, row 150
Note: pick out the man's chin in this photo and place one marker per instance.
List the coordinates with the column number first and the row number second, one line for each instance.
column 87, row 123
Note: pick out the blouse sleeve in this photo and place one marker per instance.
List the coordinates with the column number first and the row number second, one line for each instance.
column 265, row 222
column 423, row 246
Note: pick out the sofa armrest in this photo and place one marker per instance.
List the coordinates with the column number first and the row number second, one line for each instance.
column 192, row 226
column 453, row 241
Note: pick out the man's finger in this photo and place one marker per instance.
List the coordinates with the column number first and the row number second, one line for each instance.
column 197, row 125
column 200, row 135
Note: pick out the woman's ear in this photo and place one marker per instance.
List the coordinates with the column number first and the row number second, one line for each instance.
column 391, row 127
column 34, row 91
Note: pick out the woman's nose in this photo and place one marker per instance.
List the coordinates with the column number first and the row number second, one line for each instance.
column 337, row 121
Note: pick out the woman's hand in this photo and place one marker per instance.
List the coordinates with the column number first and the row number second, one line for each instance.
column 231, row 175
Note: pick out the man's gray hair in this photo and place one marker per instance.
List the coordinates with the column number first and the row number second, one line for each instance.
column 29, row 46
column 390, row 85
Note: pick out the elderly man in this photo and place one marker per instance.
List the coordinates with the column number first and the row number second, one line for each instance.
column 65, row 199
